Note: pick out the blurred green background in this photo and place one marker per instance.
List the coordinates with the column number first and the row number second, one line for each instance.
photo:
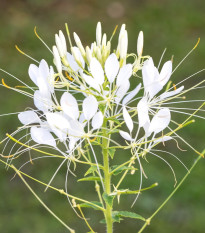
column 175, row 25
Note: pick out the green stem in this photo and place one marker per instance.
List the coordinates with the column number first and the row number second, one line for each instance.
column 172, row 193
column 107, row 180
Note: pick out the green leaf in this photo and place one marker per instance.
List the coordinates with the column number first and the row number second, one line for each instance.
column 91, row 170
column 114, row 131
column 99, row 98
column 102, row 107
column 128, row 214
column 114, row 119
column 114, row 219
column 108, row 199
column 90, row 178
column 87, row 205
column 111, row 152
column 118, row 171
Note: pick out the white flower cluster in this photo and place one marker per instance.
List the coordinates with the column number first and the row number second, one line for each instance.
column 91, row 86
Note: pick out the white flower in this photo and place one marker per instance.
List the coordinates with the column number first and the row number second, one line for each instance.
column 153, row 83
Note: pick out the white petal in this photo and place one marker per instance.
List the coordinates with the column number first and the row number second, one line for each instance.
column 69, row 105
column 148, row 71
column 111, row 67
column 33, row 73
column 43, row 87
column 72, row 143
column 41, row 102
column 43, row 69
column 50, row 80
column 72, row 63
column 90, row 106
column 58, row 124
column 97, row 71
column 91, row 82
column 57, row 120
column 171, row 93
column 42, row 136
column 163, row 139
column 125, row 135
column 76, row 129
column 142, row 110
column 28, row 117
column 81, row 118
column 160, row 121
column 97, row 120
column 151, row 79
column 122, row 90
column 124, row 74
column 165, row 72
column 131, row 95
column 128, row 119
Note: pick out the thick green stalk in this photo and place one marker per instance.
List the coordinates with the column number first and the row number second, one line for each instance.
column 107, row 180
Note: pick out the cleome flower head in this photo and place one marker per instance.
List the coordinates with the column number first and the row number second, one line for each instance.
column 85, row 100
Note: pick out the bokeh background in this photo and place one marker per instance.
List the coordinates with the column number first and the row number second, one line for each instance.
column 171, row 24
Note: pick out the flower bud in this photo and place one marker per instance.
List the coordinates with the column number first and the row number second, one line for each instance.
column 57, row 59
column 59, row 45
column 122, row 31
column 94, row 48
column 104, row 40
column 75, row 53
column 88, row 54
column 79, row 44
column 98, row 53
column 63, row 42
column 140, row 42
column 123, row 45
column 98, row 34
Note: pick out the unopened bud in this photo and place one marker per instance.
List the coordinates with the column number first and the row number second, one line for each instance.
column 140, row 43
column 122, row 31
column 59, row 45
column 123, row 45
column 57, row 59
column 98, row 53
column 98, row 33
column 63, row 42
column 104, row 40
column 88, row 54
column 75, row 53
column 94, row 48
column 108, row 47
column 79, row 44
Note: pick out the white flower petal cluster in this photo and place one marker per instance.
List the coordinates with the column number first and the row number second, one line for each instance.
column 91, row 86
